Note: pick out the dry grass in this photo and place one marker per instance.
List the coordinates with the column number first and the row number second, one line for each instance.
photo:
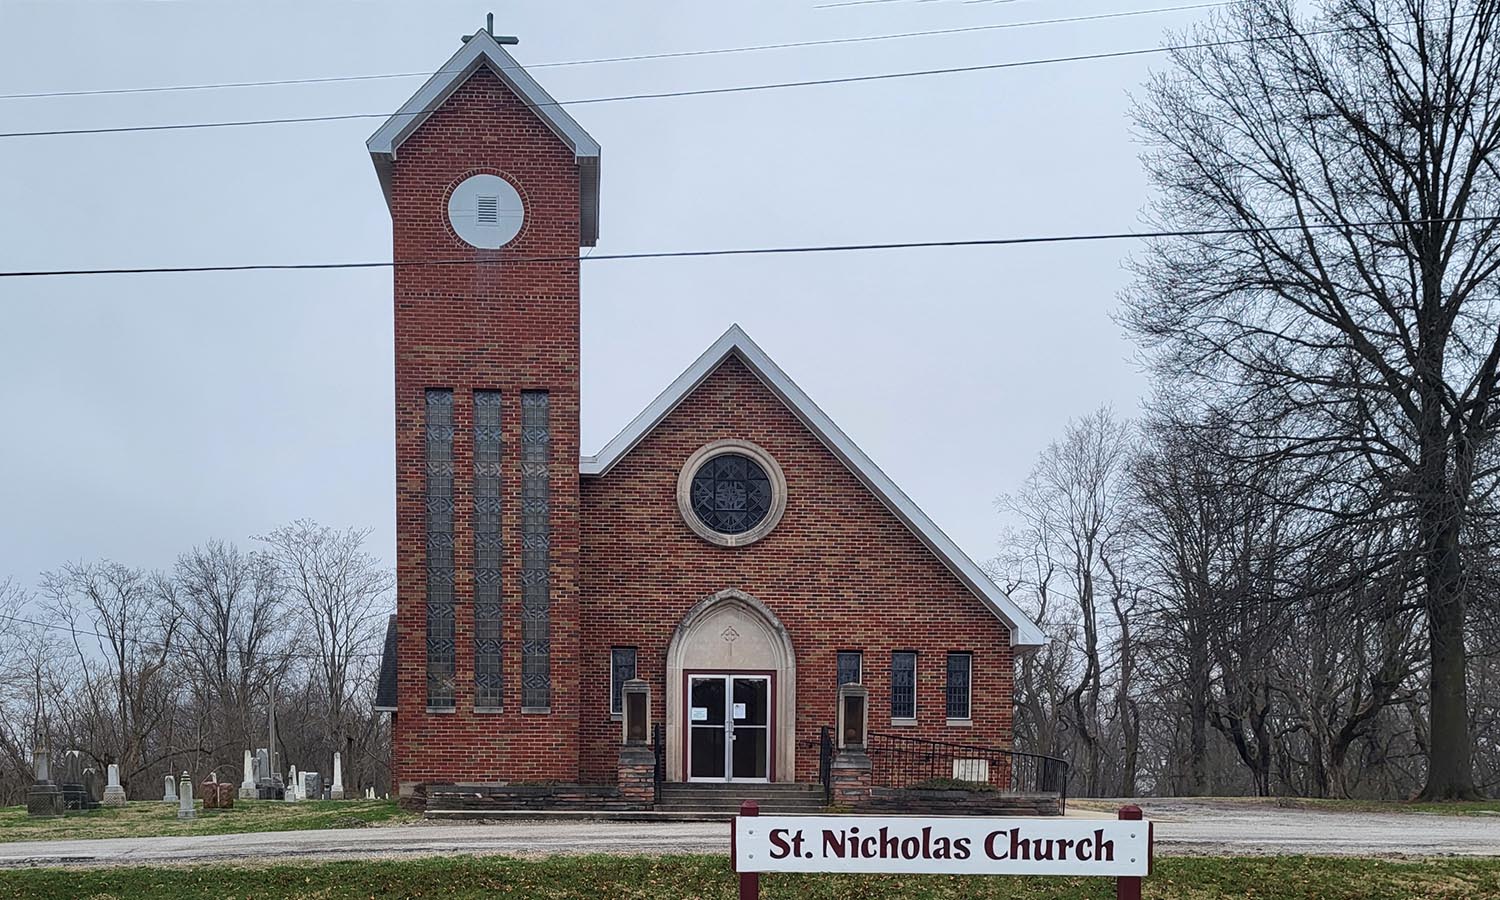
column 155, row 819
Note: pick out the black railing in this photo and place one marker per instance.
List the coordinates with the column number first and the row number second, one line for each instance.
column 898, row 761
column 825, row 762
column 659, row 747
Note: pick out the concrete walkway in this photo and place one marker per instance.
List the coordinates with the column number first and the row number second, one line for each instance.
column 1183, row 828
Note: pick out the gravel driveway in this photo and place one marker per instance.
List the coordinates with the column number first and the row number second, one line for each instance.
column 1184, row 828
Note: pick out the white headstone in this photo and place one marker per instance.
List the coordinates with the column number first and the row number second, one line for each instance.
column 41, row 765
column 114, row 795
column 185, row 798
column 169, row 790
column 336, row 790
column 293, row 786
column 247, row 785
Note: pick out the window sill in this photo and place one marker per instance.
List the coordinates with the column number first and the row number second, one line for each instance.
column 960, row 723
column 536, row 710
column 488, row 710
column 616, row 717
column 441, row 710
column 903, row 723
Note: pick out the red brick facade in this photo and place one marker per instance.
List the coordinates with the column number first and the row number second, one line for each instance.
column 490, row 325
column 839, row 570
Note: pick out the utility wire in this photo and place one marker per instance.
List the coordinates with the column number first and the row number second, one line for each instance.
column 700, row 92
column 681, row 54
column 741, row 89
column 742, row 251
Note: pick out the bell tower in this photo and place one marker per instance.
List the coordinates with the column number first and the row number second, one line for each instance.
column 492, row 188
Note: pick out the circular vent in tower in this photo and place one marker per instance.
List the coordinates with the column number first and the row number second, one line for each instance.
column 486, row 211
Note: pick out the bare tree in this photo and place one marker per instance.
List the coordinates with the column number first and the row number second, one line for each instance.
column 229, row 603
column 342, row 593
column 1338, row 299
column 122, row 627
column 1072, row 506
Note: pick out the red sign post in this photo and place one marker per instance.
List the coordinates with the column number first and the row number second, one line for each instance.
column 1121, row 849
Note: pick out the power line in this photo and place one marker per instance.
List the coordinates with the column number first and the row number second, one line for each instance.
column 742, row 251
column 882, row 76
column 680, row 54
column 700, row 92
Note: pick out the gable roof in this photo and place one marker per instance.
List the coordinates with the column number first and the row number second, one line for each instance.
column 385, row 686
column 735, row 342
column 481, row 49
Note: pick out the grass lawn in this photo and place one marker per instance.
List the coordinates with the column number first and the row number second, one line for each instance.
column 153, row 819
column 607, row 877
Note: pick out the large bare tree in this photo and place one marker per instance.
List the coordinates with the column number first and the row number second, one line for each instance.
column 1338, row 304
column 341, row 593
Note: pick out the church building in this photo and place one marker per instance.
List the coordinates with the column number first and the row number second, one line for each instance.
column 732, row 548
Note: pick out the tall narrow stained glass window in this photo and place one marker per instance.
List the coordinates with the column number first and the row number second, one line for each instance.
column 536, row 551
column 440, row 640
column 487, row 614
column 960, row 666
column 903, row 685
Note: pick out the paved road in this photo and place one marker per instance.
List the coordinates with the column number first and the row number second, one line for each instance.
column 1184, row 827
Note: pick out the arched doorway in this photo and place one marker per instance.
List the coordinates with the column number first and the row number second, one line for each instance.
column 730, row 656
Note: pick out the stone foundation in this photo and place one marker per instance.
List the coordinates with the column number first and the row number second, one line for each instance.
column 636, row 778
column 851, row 778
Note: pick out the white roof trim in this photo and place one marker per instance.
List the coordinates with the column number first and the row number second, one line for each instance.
column 482, row 50
column 1024, row 632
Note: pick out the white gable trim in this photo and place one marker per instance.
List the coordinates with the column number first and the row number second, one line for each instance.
column 482, row 50
column 1024, row 632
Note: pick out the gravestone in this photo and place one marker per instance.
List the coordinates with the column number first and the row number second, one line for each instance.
column 44, row 799
column 262, row 765
column 93, row 787
column 71, row 781
column 169, row 790
column 336, row 790
column 185, row 798
column 247, row 785
column 292, row 786
column 114, row 794
column 312, row 786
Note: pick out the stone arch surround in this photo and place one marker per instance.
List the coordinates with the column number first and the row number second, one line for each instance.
column 761, row 643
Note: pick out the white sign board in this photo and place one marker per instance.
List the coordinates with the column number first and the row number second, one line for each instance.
column 739, row 710
column 700, row 714
column 958, row 846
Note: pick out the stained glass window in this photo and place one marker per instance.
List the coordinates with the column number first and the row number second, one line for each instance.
column 536, row 547
column 487, row 616
column 959, row 665
column 440, row 640
column 903, row 685
column 621, row 670
column 849, row 666
column 731, row 493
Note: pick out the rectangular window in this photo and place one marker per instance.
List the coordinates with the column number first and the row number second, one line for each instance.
column 903, row 685
column 439, row 502
column 849, row 667
column 487, row 618
column 959, row 670
column 621, row 670
column 536, row 551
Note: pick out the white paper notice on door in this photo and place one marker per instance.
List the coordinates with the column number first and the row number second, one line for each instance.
column 739, row 710
column 700, row 714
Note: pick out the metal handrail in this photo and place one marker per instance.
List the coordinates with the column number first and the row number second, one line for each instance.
column 904, row 761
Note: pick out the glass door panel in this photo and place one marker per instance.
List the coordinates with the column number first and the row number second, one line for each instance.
column 707, row 731
column 751, row 716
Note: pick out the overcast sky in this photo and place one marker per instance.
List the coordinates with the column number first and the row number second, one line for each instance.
column 145, row 413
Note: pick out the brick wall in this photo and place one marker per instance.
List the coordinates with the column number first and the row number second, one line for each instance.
column 840, row 572
column 498, row 326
